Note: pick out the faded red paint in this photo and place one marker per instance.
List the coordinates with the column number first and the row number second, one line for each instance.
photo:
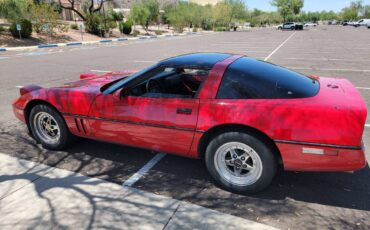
column 335, row 116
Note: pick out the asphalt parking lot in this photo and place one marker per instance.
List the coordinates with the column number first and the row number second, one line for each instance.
column 294, row 200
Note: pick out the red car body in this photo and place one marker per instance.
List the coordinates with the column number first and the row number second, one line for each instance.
column 319, row 133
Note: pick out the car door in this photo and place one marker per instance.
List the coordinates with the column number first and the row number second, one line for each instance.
column 160, row 124
column 157, row 121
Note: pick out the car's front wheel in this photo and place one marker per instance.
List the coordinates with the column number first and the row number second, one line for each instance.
column 240, row 162
column 49, row 128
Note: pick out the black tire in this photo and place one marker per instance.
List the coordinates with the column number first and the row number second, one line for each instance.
column 265, row 153
column 65, row 137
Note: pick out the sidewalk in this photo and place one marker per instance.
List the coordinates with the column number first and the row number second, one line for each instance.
column 38, row 196
column 105, row 40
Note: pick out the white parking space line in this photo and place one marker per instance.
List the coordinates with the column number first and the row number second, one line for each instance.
column 363, row 88
column 100, row 71
column 134, row 178
column 281, row 45
column 326, row 59
column 19, row 86
column 144, row 61
column 324, row 69
column 367, row 125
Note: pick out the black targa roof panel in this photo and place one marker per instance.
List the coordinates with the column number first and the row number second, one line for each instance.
column 197, row 59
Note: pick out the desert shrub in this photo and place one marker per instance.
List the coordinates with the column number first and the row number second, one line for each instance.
column 135, row 33
column 111, row 24
column 125, row 27
column 26, row 28
column 62, row 28
column 94, row 24
column 178, row 29
column 220, row 28
column 42, row 14
column 115, row 16
column 74, row 26
column 195, row 29
column 158, row 32
column 207, row 25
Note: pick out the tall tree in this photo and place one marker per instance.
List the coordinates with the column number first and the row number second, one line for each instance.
column 288, row 8
column 93, row 6
column 14, row 9
column 139, row 14
column 145, row 13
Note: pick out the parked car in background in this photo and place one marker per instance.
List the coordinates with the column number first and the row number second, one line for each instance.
column 362, row 22
column 298, row 26
column 290, row 26
column 286, row 26
column 310, row 24
column 347, row 23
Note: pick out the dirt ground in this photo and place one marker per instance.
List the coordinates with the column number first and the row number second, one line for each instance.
column 7, row 40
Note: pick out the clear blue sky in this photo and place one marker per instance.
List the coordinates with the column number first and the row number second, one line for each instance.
column 309, row 5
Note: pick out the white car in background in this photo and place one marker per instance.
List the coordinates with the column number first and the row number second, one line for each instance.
column 362, row 22
column 347, row 23
column 310, row 24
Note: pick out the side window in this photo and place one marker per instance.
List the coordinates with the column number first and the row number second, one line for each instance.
column 249, row 78
column 171, row 82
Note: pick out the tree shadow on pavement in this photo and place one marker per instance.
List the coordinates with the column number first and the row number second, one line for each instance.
column 61, row 199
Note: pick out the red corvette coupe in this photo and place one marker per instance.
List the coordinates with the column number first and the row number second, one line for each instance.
column 242, row 115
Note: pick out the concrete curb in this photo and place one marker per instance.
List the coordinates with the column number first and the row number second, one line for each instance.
column 38, row 195
column 2, row 49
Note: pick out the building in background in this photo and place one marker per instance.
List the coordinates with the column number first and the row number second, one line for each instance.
column 69, row 15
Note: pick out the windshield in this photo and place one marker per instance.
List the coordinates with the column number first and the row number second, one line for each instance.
column 124, row 81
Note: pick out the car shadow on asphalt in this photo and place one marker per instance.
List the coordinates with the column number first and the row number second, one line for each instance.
column 340, row 189
column 188, row 179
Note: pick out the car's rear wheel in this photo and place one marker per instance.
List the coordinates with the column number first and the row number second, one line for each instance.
column 49, row 128
column 240, row 162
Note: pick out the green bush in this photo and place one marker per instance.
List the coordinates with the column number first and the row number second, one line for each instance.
column 74, row 26
column 2, row 29
column 207, row 26
column 41, row 14
column 135, row 33
column 158, row 32
column 62, row 28
column 111, row 24
column 26, row 28
column 195, row 29
column 94, row 24
column 125, row 27
column 115, row 16
column 221, row 28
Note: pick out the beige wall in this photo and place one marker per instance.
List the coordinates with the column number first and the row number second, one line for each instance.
column 205, row 2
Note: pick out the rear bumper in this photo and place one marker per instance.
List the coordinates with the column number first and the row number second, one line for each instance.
column 332, row 159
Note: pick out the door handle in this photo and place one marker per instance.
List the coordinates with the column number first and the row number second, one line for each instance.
column 184, row 110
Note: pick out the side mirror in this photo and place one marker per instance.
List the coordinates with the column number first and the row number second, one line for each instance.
column 118, row 94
